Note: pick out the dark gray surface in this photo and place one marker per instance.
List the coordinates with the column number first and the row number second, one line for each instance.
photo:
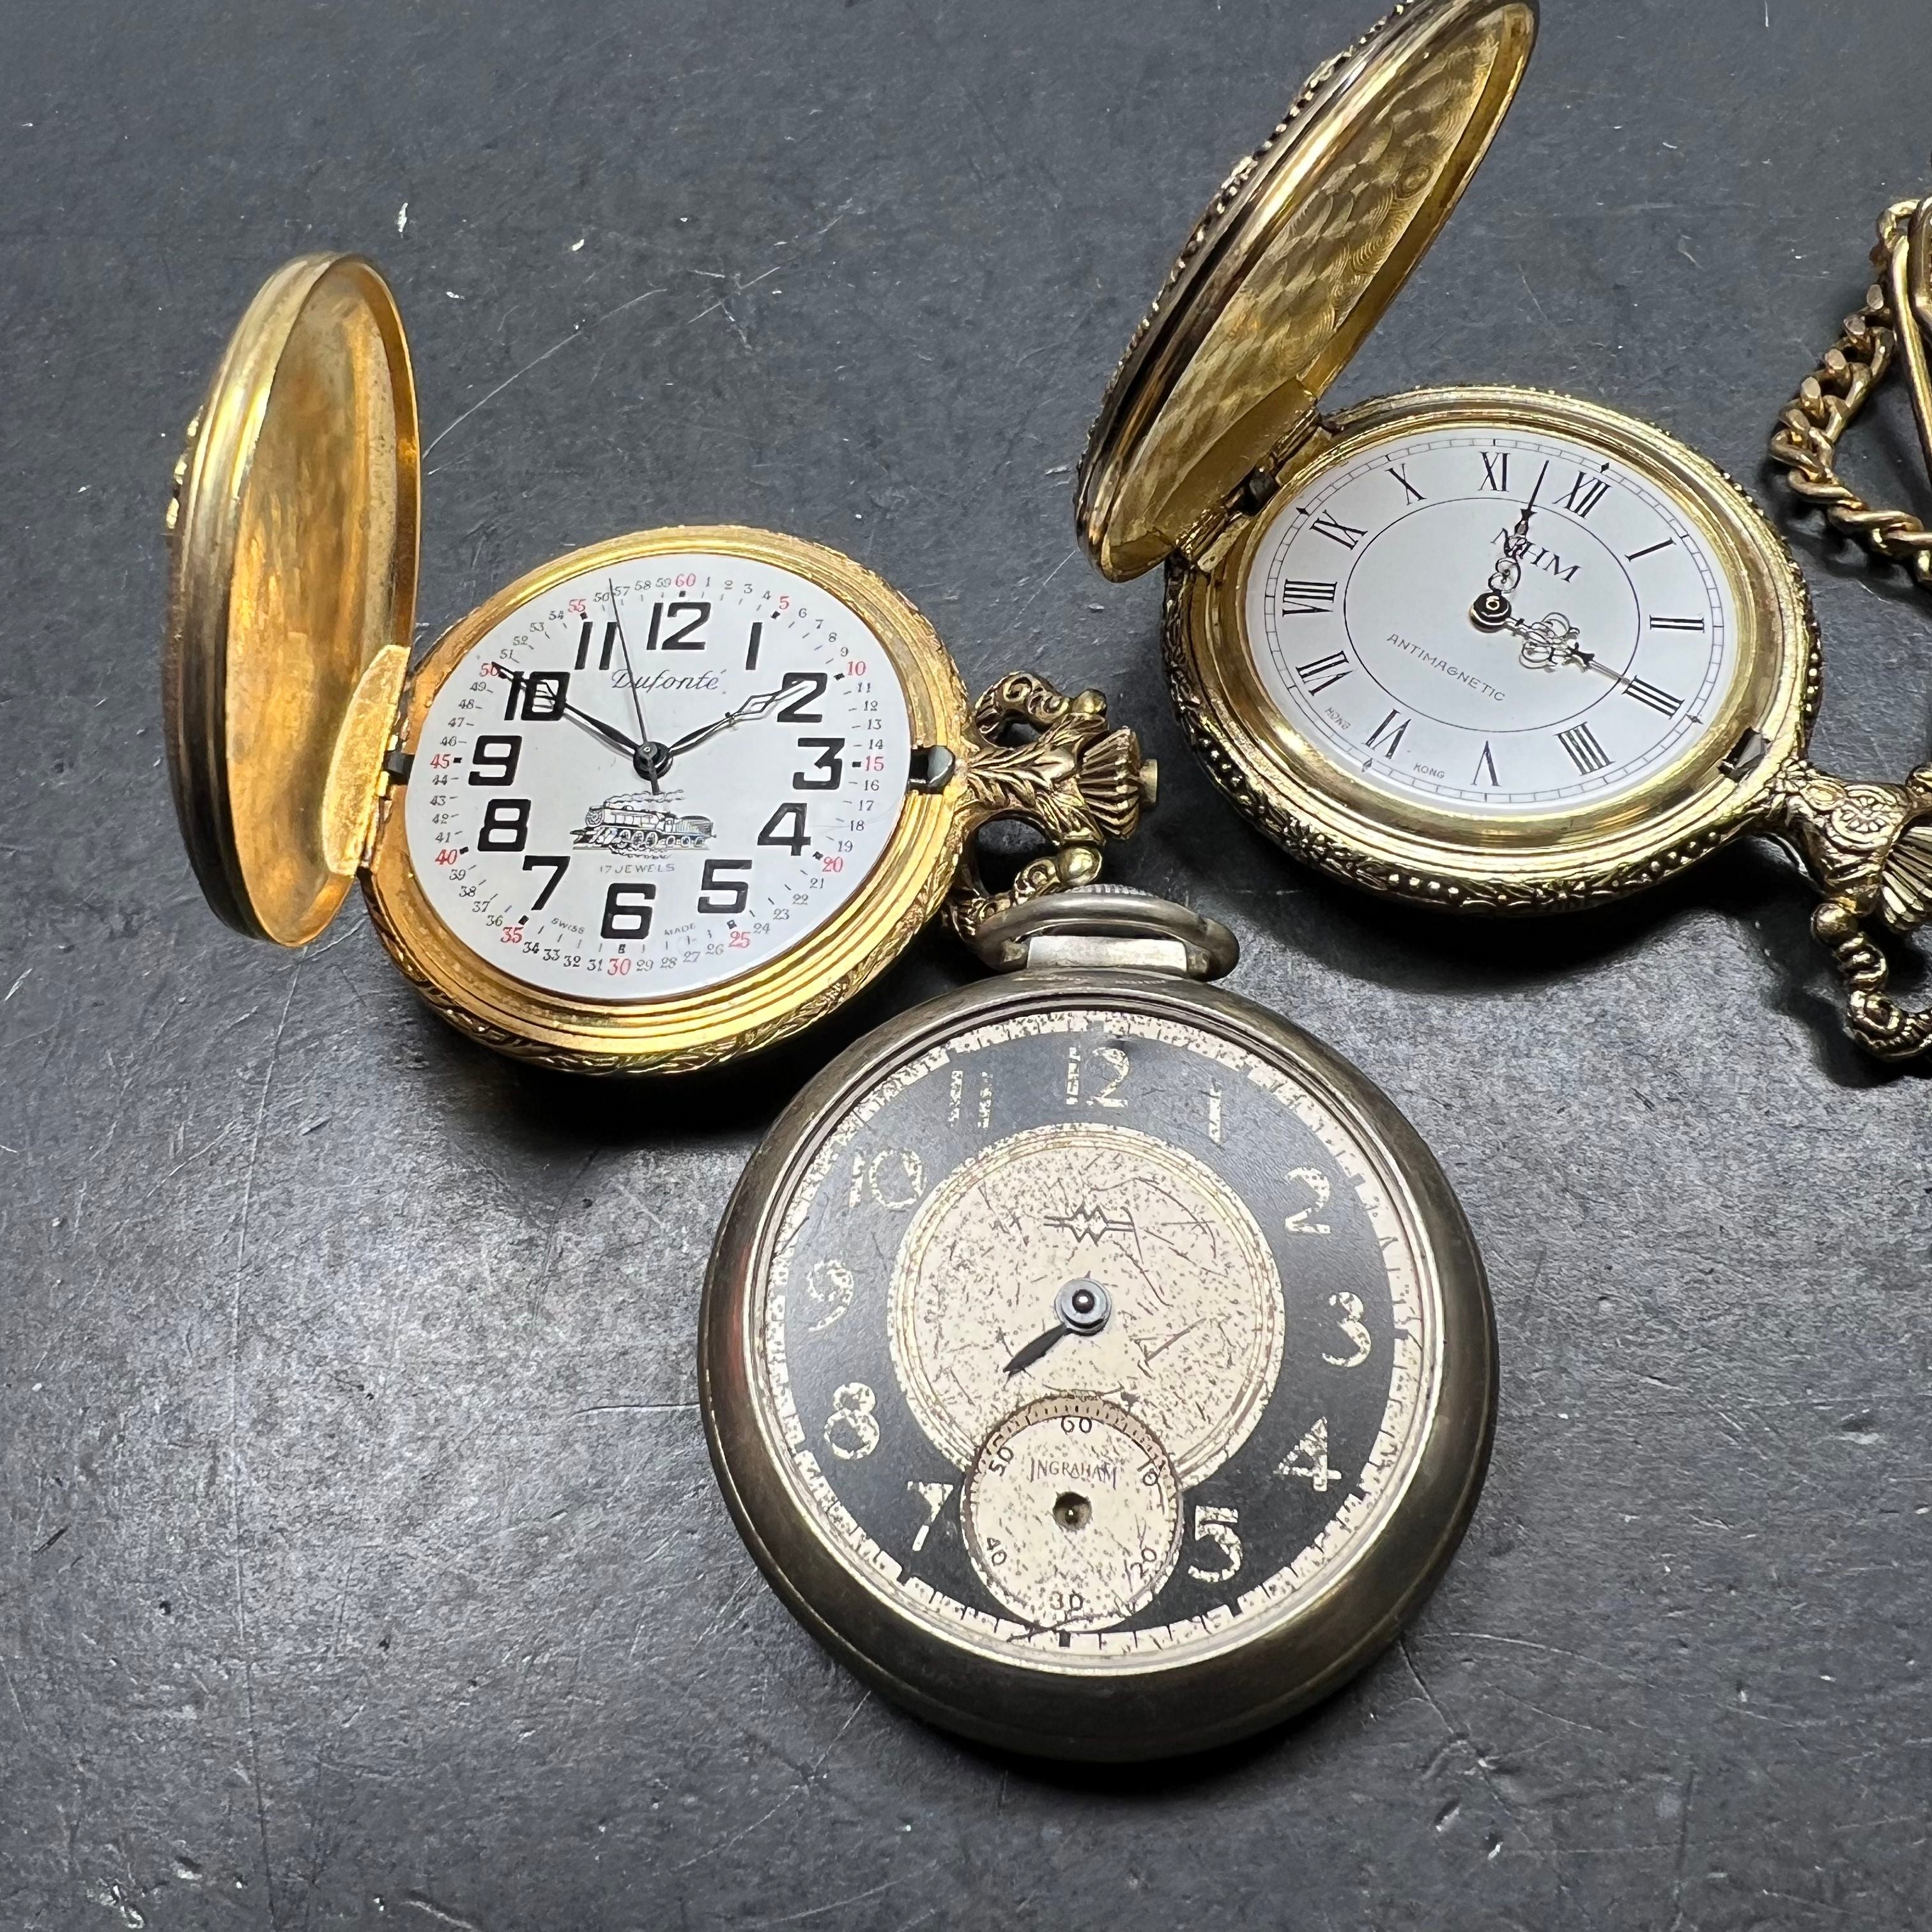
column 360, row 1562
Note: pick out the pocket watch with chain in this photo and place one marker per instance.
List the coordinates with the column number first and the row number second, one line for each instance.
column 1092, row 1361
column 1486, row 649
column 658, row 803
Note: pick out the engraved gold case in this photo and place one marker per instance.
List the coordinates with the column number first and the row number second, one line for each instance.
column 1351, row 630
column 296, row 727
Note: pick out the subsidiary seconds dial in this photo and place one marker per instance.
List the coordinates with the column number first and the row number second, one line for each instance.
column 1505, row 622
column 651, row 779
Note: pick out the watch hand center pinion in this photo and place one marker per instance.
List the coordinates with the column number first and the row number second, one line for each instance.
column 1081, row 1307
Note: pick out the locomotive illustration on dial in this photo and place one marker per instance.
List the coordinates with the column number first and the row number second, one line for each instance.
column 637, row 822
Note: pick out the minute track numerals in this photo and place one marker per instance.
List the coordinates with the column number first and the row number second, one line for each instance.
column 650, row 780
column 1093, row 1362
column 1613, row 652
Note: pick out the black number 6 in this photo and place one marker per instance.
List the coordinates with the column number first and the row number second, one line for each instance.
column 627, row 910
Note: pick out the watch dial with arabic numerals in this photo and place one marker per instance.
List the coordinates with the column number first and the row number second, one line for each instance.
column 776, row 749
column 1358, row 602
column 1247, row 1401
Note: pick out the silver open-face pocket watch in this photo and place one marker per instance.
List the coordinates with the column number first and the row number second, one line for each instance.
column 657, row 803
column 1094, row 1362
column 1483, row 648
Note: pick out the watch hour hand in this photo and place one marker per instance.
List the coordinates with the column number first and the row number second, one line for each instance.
column 1082, row 1307
column 608, row 733
column 1551, row 640
column 1037, row 1347
column 647, row 759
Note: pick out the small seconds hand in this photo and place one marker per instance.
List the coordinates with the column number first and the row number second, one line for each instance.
column 647, row 766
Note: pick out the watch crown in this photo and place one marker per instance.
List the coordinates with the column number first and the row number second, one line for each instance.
column 1117, row 782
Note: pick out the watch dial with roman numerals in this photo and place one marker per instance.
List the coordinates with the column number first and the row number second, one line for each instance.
column 1607, row 653
column 1095, row 1333
column 653, row 778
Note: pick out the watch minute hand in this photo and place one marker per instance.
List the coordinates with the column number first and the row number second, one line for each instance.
column 609, row 733
column 1491, row 611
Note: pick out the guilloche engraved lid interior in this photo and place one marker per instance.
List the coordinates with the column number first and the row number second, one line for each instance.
column 292, row 595
column 1292, row 266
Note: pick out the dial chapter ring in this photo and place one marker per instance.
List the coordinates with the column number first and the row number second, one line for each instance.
column 1321, row 813
column 905, row 888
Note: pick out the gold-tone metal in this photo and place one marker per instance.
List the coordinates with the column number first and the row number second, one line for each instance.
column 1067, row 783
column 1076, row 782
column 1868, row 849
column 292, row 590
column 1894, row 325
column 1211, row 428
column 1557, row 861
column 1294, row 263
column 293, row 718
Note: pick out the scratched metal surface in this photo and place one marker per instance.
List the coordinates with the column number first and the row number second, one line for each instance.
column 360, row 1563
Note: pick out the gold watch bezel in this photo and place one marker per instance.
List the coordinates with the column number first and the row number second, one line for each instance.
column 1321, row 813
column 695, row 1028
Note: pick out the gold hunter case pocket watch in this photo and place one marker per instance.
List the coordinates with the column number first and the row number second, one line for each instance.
column 660, row 801
column 1486, row 649
column 1094, row 1362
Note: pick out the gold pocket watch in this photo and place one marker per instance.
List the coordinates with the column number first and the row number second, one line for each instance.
column 661, row 801
column 1093, row 1362
column 1486, row 649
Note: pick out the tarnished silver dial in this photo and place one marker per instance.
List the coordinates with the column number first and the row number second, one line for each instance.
column 1098, row 1363
column 926, row 1250
column 1193, row 1340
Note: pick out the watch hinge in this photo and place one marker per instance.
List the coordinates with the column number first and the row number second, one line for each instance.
column 1201, row 544
column 395, row 769
column 1746, row 755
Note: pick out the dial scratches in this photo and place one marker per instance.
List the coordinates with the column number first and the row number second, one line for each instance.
column 1041, row 1387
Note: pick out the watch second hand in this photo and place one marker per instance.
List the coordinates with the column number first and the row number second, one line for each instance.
column 647, row 766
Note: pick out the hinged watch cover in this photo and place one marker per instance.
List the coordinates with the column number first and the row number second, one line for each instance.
column 1294, row 263
column 291, row 595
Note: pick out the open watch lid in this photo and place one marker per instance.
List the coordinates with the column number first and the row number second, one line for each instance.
column 291, row 595
column 1292, row 266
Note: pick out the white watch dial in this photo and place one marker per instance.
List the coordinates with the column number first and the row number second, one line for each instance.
column 1610, row 651
column 652, row 779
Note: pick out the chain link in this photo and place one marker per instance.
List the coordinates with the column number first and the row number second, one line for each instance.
column 1896, row 316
